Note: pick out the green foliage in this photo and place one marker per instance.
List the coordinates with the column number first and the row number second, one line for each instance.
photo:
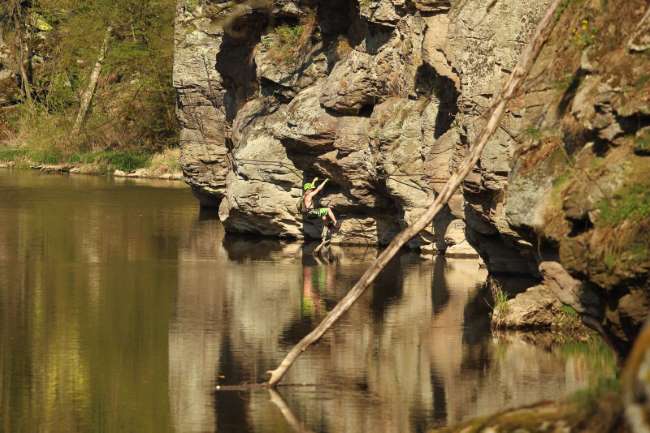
column 610, row 259
column 61, row 95
column 584, row 35
column 568, row 321
column 602, row 365
column 107, row 160
column 103, row 160
column 642, row 81
column 642, row 143
column 631, row 202
column 560, row 181
column 590, row 396
column 289, row 35
column 133, row 104
column 286, row 42
column 635, row 254
column 569, row 311
column 563, row 7
column 534, row 133
column 563, row 83
column 167, row 161
column 623, row 218
column 11, row 153
column 500, row 307
column 126, row 160
column 45, row 156
column 191, row 4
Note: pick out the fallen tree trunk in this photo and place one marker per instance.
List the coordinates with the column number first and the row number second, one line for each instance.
column 87, row 95
column 497, row 110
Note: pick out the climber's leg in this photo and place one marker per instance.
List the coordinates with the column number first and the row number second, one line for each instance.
column 330, row 215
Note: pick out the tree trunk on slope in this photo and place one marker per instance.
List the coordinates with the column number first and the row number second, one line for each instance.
column 497, row 110
column 88, row 94
column 24, row 76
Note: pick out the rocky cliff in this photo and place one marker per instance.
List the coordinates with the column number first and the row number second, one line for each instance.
column 576, row 204
column 365, row 94
column 383, row 98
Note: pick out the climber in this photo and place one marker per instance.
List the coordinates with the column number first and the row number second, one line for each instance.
column 307, row 203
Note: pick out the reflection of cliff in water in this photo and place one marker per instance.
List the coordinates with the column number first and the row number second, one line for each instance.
column 409, row 355
column 196, row 332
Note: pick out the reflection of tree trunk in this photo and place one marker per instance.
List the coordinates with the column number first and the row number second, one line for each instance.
column 497, row 110
column 288, row 415
column 87, row 95
column 24, row 76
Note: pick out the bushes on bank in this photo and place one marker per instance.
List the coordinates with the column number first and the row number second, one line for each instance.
column 133, row 105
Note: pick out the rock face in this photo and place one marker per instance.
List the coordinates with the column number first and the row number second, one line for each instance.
column 575, row 207
column 368, row 94
column 383, row 98
column 201, row 110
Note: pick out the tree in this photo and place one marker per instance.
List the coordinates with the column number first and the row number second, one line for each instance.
column 14, row 13
column 87, row 95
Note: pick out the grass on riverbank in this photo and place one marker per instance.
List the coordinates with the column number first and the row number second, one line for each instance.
column 500, row 307
column 103, row 161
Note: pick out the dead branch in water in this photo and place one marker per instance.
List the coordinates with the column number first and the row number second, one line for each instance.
column 497, row 110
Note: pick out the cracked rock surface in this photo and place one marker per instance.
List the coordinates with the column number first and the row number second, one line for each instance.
column 368, row 94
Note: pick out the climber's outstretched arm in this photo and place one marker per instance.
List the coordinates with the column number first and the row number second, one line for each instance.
column 320, row 187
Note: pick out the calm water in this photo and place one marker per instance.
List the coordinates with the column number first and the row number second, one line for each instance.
column 122, row 307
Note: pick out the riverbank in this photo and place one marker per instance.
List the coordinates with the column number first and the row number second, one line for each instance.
column 129, row 164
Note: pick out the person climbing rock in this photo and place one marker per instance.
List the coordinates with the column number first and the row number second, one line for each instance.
column 308, row 203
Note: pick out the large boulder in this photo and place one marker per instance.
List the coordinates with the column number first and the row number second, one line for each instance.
column 536, row 308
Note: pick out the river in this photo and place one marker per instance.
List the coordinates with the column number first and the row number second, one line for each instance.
column 123, row 307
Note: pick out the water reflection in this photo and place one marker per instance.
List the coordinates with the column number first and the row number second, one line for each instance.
column 415, row 353
column 85, row 290
column 122, row 307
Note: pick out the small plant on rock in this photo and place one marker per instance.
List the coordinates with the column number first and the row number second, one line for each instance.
column 584, row 35
column 343, row 47
column 642, row 143
column 289, row 43
column 500, row 305
column 568, row 320
column 534, row 133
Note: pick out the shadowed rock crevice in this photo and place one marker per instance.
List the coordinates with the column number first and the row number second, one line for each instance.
column 428, row 83
column 235, row 61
